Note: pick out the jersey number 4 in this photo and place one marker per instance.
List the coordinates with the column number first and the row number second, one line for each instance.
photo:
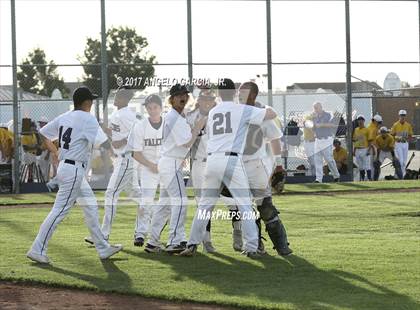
column 66, row 137
column 222, row 123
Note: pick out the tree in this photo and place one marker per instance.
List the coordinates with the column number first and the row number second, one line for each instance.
column 124, row 46
column 39, row 76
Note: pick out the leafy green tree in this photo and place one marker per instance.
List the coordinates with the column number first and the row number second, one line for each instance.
column 39, row 76
column 124, row 46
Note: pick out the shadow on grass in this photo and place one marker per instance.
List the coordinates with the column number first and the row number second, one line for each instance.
column 291, row 280
column 116, row 280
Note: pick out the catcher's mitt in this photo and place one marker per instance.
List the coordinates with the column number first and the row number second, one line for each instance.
column 278, row 178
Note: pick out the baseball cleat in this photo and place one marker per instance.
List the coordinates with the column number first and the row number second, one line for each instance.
column 208, row 247
column 42, row 259
column 113, row 249
column 151, row 248
column 139, row 242
column 174, row 249
column 285, row 251
column 191, row 250
column 336, row 180
column 252, row 255
column 237, row 240
column 89, row 240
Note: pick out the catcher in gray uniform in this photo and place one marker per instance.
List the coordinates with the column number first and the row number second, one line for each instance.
column 262, row 142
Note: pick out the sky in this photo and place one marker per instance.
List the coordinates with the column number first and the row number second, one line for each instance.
column 227, row 31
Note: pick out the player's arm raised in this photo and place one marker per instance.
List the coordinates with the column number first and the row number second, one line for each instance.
column 195, row 131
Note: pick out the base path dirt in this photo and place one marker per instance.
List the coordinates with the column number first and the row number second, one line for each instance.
column 35, row 297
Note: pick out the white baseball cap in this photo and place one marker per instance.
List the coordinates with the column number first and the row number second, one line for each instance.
column 383, row 129
column 402, row 112
column 377, row 118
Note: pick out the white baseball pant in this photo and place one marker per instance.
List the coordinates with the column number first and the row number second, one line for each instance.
column 324, row 150
column 197, row 177
column 401, row 152
column 124, row 177
column 362, row 158
column 72, row 185
column 309, row 147
column 230, row 171
column 172, row 203
column 150, row 183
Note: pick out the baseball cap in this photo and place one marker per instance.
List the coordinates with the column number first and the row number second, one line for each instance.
column 153, row 98
column 336, row 141
column 83, row 93
column 402, row 112
column 360, row 117
column 226, row 84
column 178, row 89
column 383, row 129
column 377, row 118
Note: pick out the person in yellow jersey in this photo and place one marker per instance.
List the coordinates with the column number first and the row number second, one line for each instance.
column 340, row 156
column 403, row 133
column 361, row 148
column 309, row 142
column 385, row 145
column 6, row 145
column 373, row 128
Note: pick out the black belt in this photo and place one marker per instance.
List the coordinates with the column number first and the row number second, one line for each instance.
column 227, row 154
column 202, row 160
column 72, row 162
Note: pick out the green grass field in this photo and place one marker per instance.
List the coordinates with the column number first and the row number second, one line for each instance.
column 289, row 189
column 352, row 251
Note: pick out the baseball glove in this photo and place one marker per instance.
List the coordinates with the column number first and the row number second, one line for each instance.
column 278, row 178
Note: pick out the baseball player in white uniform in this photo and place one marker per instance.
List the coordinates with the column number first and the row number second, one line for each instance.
column 178, row 138
column 205, row 102
column 262, row 142
column 145, row 140
column 77, row 131
column 226, row 129
column 124, row 175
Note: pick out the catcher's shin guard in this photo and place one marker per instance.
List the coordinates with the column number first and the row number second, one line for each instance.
column 261, row 249
column 274, row 226
column 278, row 236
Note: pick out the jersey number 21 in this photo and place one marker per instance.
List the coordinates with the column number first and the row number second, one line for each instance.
column 222, row 123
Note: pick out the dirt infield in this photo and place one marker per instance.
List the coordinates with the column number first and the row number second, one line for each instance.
column 34, row 297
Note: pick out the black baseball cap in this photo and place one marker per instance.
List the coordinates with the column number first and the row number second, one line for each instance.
column 336, row 141
column 153, row 98
column 178, row 89
column 83, row 93
column 226, row 84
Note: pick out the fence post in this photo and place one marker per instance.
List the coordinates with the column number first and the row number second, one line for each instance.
column 349, row 94
column 16, row 137
column 190, row 54
column 104, row 78
column 269, row 59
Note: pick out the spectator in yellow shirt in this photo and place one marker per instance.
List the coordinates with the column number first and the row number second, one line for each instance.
column 6, row 145
column 403, row 133
column 361, row 148
column 385, row 144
